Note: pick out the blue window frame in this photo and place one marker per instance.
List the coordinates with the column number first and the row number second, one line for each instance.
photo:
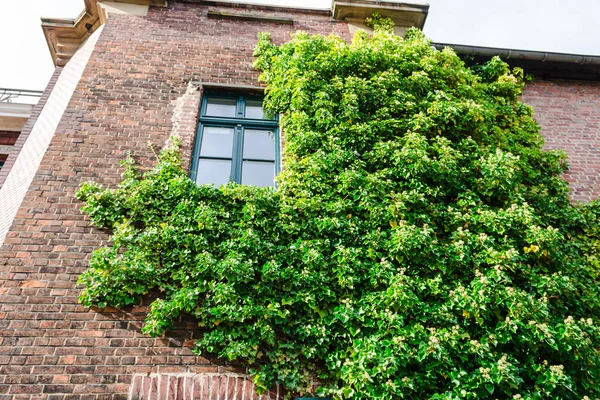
column 235, row 141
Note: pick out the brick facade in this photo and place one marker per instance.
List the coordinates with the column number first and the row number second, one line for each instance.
column 143, row 83
column 569, row 113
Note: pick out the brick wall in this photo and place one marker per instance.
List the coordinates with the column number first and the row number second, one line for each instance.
column 569, row 113
column 141, row 84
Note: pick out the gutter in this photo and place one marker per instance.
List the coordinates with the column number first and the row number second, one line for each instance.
column 520, row 54
column 542, row 64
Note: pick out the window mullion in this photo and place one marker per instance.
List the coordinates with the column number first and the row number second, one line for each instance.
column 240, row 107
column 277, row 149
column 236, row 165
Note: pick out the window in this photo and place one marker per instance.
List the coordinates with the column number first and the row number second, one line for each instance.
column 236, row 142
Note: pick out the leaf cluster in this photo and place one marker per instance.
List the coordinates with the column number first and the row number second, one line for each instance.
column 420, row 244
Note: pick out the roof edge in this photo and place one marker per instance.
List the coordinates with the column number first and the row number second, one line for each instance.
column 542, row 56
column 542, row 64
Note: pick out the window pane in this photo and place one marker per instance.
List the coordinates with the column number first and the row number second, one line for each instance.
column 216, row 172
column 216, row 142
column 221, row 107
column 258, row 173
column 254, row 109
column 259, row 145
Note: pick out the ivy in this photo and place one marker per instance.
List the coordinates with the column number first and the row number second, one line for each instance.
column 420, row 244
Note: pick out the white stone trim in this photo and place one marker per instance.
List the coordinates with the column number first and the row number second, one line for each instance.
column 112, row 7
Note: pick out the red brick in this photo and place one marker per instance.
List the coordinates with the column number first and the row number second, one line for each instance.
column 569, row 113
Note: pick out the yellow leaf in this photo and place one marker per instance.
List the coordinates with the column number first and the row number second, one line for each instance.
column 393, row 224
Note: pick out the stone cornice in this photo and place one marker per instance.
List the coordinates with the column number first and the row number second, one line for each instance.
column 404, row 14
column 65, row 35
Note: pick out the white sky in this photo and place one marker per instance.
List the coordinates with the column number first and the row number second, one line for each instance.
column 567, row 26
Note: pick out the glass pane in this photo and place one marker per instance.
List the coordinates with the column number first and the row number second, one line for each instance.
column 221, row 107
column 216, row 172
column 258, row 173
column 254, row 109
column 259, row 145
column 216, row 142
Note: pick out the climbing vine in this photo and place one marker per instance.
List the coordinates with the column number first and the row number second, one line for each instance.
column 420, row 243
